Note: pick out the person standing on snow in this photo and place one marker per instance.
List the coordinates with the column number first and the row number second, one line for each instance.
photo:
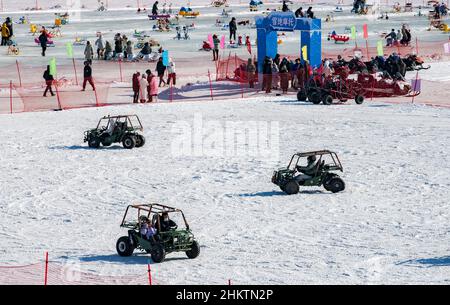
column 43, row 39
column 143, row 84
column 135, row 85
column 285, row 7
column 233, row 29
column 5, row 34
column 299, row 13
column 155, row 8
column 160, row 69
column 100, row 44
column 88, row 52
column 152, row 87
column 216, row 42
column 251, row 72
column 48, row 82
column 172, row 76
column 87, row 75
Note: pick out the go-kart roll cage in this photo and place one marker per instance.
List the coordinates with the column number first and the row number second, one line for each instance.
column 337, row 163
column 148, row 209
column 127, row 119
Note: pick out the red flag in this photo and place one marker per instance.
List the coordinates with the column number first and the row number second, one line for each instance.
column 366, row 33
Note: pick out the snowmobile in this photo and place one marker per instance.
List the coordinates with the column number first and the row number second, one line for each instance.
column 319, row 172
column 116, row 129
column 168, row 238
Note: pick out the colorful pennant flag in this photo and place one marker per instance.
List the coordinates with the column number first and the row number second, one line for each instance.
column 365, row 31
column 211, row 41
column 69, row 50
column 222, row 42
column 305, row 53
column 165, row 57
column 380, row 51
column 52, row 65
column 353, row 32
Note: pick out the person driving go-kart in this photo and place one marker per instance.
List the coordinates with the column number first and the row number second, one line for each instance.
column 167, row 223
column 307, row 171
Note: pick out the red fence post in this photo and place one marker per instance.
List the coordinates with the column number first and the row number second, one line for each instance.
column 75, row 71
column 149, row 275
column 229, row 282
column 210, row 85
column 57, row 94
column 415, row 87
column 367, row 50
column 171, row 90
column 10, row 97
column 120, row 68
column 18, row 72
column 95, row 93
column 241, row 81
column 46, row 269
column 228, row 61
column 417, row 47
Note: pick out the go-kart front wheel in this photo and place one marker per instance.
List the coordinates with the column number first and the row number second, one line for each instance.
column 124, row 246
column 94, row 142
column 327, row 99
column 195, row 250
column 314, row 97
column 158, row 253
column 291, row 187
column 140, row 140
column 301, row 95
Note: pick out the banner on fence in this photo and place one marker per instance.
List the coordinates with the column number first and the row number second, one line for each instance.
column 380, row 51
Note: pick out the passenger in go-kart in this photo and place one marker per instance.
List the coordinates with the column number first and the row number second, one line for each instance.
column 167, row 223
column 147, row 230
column 308, row 171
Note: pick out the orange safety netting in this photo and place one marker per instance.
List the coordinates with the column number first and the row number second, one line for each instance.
column 66, row 274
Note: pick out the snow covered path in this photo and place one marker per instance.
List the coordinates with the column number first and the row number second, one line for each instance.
column 391, row 224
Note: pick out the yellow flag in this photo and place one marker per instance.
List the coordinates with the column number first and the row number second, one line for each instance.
column 304, row 53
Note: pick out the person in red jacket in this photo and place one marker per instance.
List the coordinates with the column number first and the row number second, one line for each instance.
column 135, row 83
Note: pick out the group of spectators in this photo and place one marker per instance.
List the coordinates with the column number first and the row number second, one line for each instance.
column 7, row 31
column 402, row 37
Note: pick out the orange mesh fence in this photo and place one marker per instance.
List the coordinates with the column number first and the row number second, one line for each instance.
column 68, row 274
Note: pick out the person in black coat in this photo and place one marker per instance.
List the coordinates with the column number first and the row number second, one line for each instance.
column 167, row 223
column 43, row 41
column 87, row 75
column 267, row 75
column 309, row 13
column 299, row 13
column 160, row 69
column 48, row 81
column 285, row 7
column 9, row 24
column 155, row 8
column 233, row 28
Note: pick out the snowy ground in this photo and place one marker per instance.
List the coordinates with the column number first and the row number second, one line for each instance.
column 389, row 226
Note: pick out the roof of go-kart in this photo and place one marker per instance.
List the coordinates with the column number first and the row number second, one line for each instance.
column 154, row 207
column 314, row 153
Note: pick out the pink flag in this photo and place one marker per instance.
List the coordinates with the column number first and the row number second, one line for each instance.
column 365, row 31
column 211, row 41
column 222, row 42
column 447, row 48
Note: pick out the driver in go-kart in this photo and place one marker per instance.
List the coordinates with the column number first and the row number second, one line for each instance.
column 308, row 171
column 111, row 125
column 167, row 223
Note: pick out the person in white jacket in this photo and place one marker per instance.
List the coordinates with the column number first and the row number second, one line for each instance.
column 171, row 72
column 100, row 44
column 143, row 84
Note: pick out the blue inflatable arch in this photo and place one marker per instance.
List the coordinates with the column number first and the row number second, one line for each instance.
column 267, row 40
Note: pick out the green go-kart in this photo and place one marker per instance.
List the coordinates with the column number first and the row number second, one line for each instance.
column 318, row 172
column 166, row 240
column 125, row 129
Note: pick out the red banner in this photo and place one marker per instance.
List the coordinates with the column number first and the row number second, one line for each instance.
column 365, row 32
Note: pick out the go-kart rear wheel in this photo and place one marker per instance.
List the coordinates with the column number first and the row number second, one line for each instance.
column 291, row 187
column 301, row 95
column 195, row 250
column 327, row 99
column 124, row 246
column 158, row 253
column 94, row 142
column 314, row 97
column 129, row 142
column 140, row 140
column 336, row 184
column 359, row 99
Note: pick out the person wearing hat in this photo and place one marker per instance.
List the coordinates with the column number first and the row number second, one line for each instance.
column 307, row 171
column 166, row 223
